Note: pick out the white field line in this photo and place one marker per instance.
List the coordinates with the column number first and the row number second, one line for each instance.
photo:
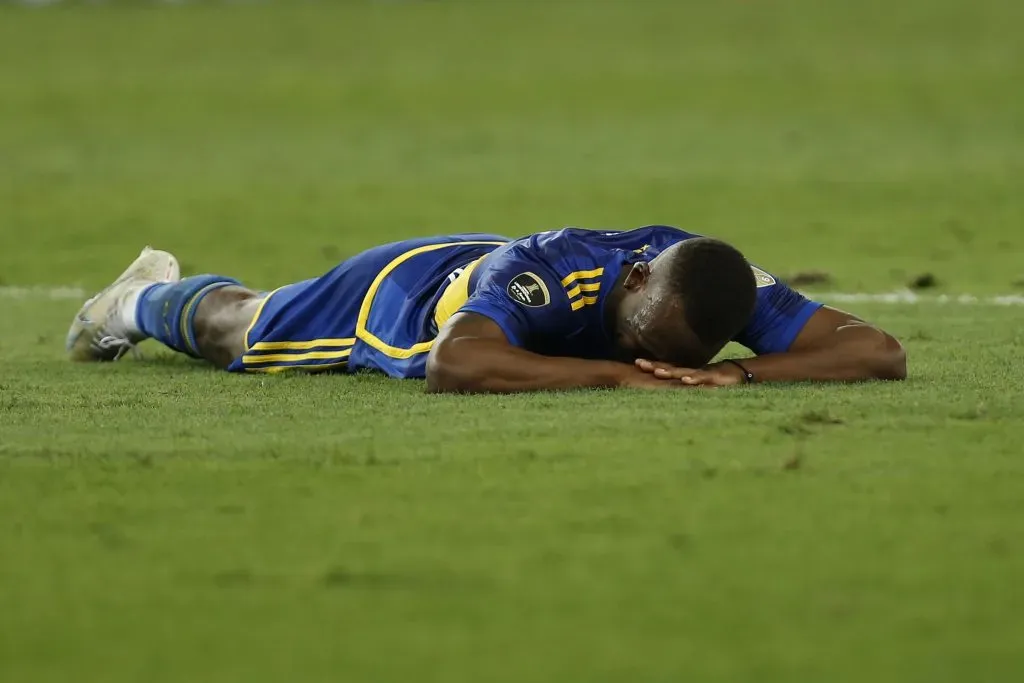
column 902, row 297
column 906, row 296
column 36, row 293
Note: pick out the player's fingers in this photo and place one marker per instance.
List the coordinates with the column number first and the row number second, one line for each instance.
column 652, row 365
column 697, row 378
column 645, row 365
column 671, row 372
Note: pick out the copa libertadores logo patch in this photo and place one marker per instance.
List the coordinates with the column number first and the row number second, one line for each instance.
column 763, row 279
column 529, row 290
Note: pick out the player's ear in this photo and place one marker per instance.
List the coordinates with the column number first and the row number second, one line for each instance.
column 637, row 277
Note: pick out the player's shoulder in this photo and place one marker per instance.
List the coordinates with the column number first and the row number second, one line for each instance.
column 546, row 271
column 570, row 249
column 556, row 253
column 568, row 254
column 576, row 241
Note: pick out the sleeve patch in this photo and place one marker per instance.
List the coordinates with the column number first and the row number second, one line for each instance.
column 529, row 290
column 762, row 278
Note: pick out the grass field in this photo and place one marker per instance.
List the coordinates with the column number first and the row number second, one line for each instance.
column 160, row 521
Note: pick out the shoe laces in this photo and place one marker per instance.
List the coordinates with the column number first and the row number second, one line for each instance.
column 123, row 346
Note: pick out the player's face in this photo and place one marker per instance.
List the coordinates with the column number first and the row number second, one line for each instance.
column 651, row 325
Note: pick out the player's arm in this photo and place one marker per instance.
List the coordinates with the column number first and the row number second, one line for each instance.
column 800, row 340
column 473, row 355
column 834, row 346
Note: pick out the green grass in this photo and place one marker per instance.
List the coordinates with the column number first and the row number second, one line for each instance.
column 160, row 521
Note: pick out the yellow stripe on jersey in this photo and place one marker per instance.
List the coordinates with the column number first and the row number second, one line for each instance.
column 582, row 274
column 583, row 288
column 583, row 301
column 577, row 290
column 292, row 357
column 302, row 345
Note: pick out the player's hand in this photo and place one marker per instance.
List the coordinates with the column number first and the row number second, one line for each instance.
column 636, row 378
column 714, row 375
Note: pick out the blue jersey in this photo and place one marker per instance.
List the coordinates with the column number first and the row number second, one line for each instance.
column 382, row 309
column 547, row 291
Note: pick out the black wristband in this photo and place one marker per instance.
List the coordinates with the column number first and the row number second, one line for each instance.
column 748, row 376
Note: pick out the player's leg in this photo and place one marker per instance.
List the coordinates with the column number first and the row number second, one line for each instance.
column 203, row 316
column 222, row 320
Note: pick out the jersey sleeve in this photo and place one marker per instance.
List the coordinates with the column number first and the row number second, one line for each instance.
column 779, row 316
column 523, row 295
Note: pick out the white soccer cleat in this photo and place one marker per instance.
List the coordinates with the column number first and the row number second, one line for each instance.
column 100, row 331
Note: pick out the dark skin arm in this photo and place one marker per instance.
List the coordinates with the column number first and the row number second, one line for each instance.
column 834, row 346
column 472, row 355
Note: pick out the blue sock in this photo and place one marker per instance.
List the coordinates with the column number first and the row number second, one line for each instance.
column 167, row 311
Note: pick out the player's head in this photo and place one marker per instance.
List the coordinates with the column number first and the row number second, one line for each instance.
column 686, row 304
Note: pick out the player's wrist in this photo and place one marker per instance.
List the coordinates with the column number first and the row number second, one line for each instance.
column 621, row 375
column 737, row 369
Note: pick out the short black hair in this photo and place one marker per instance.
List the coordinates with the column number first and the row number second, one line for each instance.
column 717, row 290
